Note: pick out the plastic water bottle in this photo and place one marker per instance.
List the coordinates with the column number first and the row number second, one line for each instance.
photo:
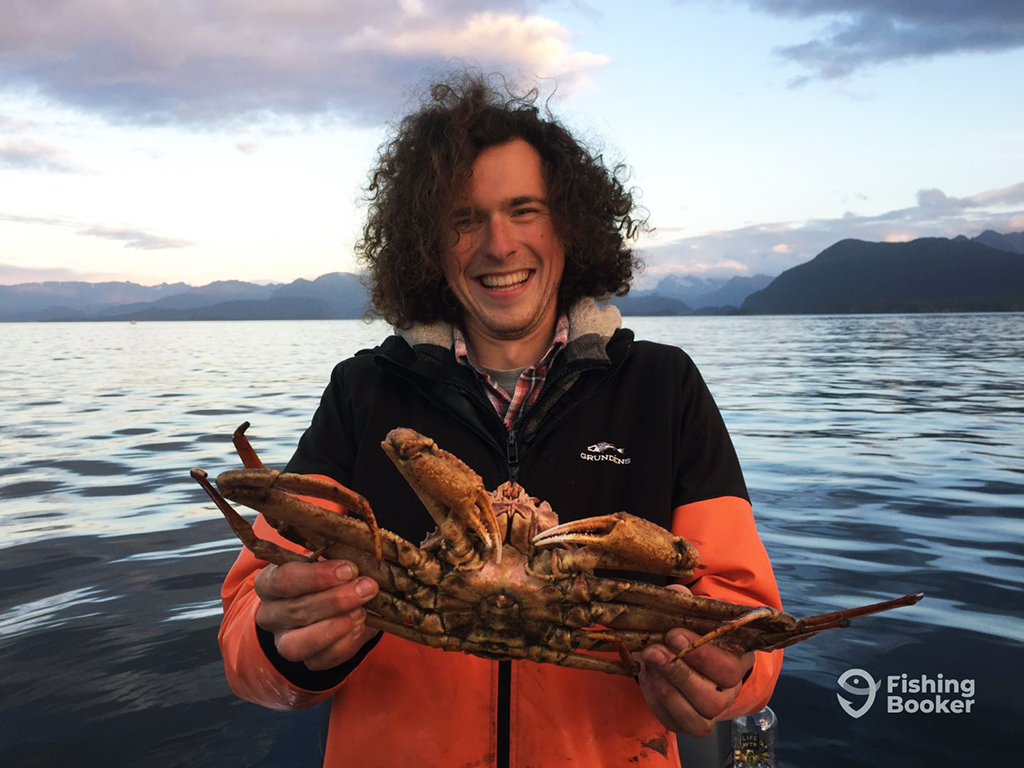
column 753, row 740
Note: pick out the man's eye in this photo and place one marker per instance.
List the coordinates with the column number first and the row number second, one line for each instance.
column 523, row 211
column 463, row 223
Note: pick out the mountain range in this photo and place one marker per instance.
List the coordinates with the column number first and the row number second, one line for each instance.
column 984, row 273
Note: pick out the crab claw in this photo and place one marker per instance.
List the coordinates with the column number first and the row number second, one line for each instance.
column 452, row 492
column 621, row 542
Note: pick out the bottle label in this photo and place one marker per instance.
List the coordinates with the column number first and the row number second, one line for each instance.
column 753, row 750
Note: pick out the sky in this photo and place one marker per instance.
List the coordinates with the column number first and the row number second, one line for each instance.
column 200, row 140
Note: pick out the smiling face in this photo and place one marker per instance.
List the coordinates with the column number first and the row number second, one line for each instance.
column 506, row 265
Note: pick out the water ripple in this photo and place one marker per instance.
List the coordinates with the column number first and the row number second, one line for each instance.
column 50, row 612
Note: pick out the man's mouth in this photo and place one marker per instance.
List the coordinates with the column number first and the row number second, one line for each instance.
column 506, row 282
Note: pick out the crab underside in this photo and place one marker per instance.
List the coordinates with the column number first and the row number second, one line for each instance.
column 499, row 577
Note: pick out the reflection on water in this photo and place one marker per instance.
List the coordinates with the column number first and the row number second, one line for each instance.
column 51, row 611
column 883, row 455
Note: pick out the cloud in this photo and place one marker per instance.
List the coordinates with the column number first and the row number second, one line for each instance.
column 10, row 124
column 535, row 44
column 134, row 238
column 57, row 221
column 221, row 60
column 771, row 248
column 865, row 33
column 29, row 154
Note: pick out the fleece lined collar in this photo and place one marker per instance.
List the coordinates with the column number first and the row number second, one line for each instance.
column 590, row 328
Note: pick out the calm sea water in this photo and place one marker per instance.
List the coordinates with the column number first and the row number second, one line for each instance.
column 884, row 455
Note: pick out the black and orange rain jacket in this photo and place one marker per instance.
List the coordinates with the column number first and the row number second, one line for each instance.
column 398, row 703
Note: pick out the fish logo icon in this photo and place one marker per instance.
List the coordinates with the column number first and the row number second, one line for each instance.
column 605, row 448
column 869, row 691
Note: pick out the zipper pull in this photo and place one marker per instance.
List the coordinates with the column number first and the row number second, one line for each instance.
column 512, row 455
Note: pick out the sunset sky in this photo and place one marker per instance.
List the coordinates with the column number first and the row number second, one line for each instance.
column 200, row 140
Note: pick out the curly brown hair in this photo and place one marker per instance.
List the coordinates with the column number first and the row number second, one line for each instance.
column 427, row 163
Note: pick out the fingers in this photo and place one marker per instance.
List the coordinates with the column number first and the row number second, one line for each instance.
column 342, row 649
column 315, row 611
column 725, row 669
column 660, row 688
column 305, row 610
column 702, row 695
column 325, row 644
column 295, row 579
column 687, row 695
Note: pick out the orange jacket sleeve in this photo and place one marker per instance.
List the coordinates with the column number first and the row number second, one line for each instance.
column 251, row 675
column 736, row 569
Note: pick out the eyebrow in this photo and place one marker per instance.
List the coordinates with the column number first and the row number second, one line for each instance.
column 514, row 202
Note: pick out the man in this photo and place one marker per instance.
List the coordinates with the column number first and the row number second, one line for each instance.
column 489, row 233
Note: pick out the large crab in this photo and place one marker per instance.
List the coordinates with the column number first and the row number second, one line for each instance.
column 499, row 577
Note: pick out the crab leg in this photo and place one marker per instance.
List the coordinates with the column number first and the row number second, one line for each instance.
column 244, row 448
column 836, row 618
column 273, row 493
column 629, row 666
column 670, row 605
column 813, row 625
column 620, row 616
column 496, row 650
column 407, row 570
column 725, row 629
column 620, row 542
column 263, row 549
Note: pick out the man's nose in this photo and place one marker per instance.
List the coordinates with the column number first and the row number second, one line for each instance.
column 500, row 240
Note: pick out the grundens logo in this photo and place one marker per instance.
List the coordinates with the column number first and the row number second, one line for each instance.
column 605, row 452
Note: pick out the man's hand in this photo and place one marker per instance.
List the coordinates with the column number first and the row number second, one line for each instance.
column 688, row 695
column 315, row 611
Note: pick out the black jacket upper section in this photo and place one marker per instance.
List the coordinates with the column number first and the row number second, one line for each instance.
column 647, row 400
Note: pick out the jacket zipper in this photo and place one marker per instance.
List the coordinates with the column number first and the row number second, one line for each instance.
column 504, row 714
column 512, row 458
column 505, row 667
column 512, row 455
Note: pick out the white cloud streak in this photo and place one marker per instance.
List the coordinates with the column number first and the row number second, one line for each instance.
column 223, row 60
column 135, row 238
column 10, row 124
column 132, row 238
column 29, row 154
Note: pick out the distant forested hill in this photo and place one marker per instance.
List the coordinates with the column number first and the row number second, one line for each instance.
column 925, row 275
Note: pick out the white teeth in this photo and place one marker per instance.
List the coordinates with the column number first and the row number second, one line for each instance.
column 503, row 281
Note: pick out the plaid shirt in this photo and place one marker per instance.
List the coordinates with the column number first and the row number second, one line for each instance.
column 530, row 383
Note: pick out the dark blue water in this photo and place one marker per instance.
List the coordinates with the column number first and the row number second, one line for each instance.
column 883, row 455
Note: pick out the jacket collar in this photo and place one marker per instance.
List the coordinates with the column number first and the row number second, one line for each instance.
column 590, row 329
